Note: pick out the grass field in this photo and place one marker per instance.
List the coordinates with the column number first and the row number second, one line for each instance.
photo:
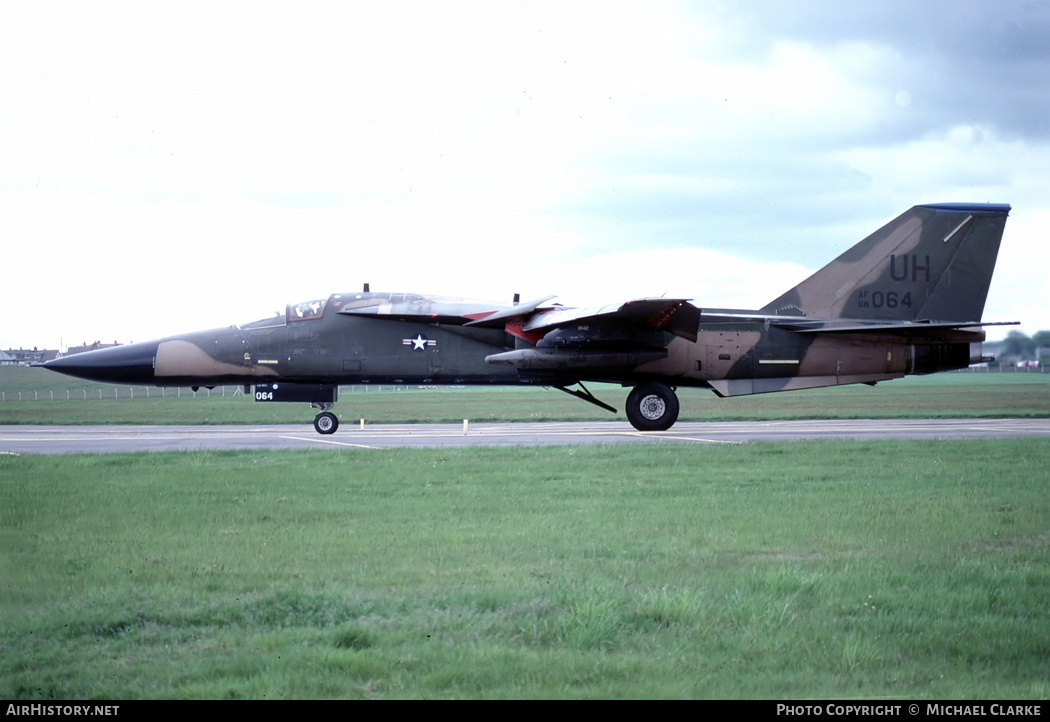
column 901, row 569
column 941, row 395
column 896, row 569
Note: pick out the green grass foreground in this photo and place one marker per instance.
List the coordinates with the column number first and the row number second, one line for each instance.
column 841, row 569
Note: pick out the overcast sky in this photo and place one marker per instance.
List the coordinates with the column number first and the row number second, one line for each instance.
column 167, row 167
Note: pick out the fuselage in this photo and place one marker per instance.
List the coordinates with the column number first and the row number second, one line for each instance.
column 321, row 345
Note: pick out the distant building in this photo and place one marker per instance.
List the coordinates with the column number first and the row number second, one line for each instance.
column 27, row 357
column 24, row 357
column 89, row 347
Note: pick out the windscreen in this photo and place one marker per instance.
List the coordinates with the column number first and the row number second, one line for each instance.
column 305, row 311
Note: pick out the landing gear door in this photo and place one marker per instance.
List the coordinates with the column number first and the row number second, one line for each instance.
column 310, row 393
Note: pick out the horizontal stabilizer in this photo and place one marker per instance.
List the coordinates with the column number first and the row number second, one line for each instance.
column 919, row 328
column 809, row 325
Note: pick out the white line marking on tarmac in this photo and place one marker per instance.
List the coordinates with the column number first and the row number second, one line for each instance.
column 649, row 435
column 329, row 441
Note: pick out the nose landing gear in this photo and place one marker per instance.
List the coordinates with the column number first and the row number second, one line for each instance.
column 320, row 396
column 325, row 422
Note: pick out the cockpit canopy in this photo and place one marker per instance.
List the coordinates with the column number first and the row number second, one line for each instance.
column 293, row 312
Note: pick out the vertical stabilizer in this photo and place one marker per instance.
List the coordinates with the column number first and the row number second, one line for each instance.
column 933, row 262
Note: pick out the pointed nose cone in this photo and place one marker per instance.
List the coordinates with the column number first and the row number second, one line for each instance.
column 131, row 364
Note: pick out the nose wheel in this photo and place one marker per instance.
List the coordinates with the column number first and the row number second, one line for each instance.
column 325, row 422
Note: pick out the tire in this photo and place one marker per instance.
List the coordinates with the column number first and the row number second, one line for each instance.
column 326, row 423
column 652, row 407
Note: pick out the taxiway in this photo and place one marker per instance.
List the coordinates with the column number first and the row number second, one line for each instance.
column 114, row 439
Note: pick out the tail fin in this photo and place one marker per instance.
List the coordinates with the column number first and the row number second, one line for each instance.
column 933, row 262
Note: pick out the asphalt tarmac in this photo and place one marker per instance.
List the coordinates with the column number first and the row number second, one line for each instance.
column 113, row 439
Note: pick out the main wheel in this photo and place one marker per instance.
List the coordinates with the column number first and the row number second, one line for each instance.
column 652, row 407
column 326, row 423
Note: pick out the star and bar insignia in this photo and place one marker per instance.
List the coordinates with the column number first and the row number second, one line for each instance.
column 419, row 343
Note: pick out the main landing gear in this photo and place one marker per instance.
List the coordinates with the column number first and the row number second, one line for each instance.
column 325, row 422
column 652, row 406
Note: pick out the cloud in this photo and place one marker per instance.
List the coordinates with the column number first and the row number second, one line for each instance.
column 167, row 168
column 966, row 62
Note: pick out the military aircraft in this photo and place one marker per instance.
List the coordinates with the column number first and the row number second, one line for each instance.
column 907, row 299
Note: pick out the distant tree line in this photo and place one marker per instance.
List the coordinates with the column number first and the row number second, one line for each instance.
column 1019, row 345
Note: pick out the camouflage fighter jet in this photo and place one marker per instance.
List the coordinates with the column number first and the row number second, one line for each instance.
column 907, row 299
